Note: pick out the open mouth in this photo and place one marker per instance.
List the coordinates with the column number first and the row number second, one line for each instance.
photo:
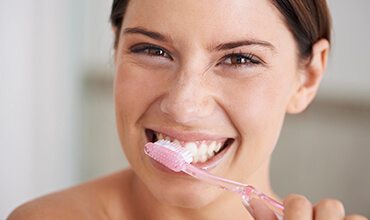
column 202, row 150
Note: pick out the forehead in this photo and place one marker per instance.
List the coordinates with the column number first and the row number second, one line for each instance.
column 208, row 20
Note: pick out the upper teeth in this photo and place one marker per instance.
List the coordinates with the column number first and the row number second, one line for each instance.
column 201, row 150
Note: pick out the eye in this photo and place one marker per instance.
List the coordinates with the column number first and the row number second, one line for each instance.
column 240, row 59
column 150, row 50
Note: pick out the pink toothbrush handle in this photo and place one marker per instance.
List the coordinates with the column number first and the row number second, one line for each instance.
column 247, row 192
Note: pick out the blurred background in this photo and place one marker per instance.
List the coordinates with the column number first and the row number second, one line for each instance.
column 57, row 120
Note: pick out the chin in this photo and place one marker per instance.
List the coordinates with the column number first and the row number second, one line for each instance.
column 189, row 196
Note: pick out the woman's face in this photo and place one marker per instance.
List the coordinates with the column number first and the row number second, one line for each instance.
column 208, row 75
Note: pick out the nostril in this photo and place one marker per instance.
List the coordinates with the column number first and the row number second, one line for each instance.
column 186, row 110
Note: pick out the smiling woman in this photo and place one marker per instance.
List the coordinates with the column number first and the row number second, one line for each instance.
column 218, row 80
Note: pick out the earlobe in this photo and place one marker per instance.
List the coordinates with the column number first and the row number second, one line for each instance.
column 310, row 78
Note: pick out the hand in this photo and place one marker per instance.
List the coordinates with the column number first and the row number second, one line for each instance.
column 299, row 207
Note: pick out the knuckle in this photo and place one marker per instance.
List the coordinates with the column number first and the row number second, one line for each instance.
column 331, row 204
column 297, row 202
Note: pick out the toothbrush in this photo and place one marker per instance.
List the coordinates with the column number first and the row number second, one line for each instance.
column 178, row 159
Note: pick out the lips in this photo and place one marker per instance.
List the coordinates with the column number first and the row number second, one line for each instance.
column 204, row 148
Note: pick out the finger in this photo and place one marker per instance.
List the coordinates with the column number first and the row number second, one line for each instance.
column 261, row 211
column 355, row 217
column 329, row 209
column 297, row 207
column 249, row 208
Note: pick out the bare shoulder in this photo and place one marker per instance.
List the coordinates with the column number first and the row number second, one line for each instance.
column 61, row 205
column 95, row 199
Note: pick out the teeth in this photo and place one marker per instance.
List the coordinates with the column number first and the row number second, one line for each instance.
column 203, row 148
column 218, row 147
column 192, row 147
column 177, row 142
column 211, row 149
column 159, row 136
column 200, row 150
column 203, row 158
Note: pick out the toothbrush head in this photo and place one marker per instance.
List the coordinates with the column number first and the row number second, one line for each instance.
column 169, row 154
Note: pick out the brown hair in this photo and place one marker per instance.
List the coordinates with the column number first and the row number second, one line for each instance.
column 308, row 20
column 116, row 17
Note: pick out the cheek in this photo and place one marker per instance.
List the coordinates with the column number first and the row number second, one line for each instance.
column 257, row 108
column 258, row 104
column 131, row 100
column 135, row 90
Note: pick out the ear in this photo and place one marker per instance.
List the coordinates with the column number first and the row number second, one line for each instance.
column 309, row 78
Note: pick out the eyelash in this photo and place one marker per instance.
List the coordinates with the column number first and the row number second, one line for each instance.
column 148, row 48
column 248, row 59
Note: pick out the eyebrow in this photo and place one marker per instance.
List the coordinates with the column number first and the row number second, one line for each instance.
column 152, row 34
column 235, row 44
column 224, row 46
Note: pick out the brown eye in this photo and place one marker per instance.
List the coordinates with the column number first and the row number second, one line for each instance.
column 241, row 59
column 155, row 52
column 150, row 50
column 238, row 60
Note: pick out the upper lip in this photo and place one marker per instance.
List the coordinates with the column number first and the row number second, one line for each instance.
column 189, row 135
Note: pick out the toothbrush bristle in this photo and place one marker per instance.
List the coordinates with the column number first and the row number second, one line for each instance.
column 169, row 154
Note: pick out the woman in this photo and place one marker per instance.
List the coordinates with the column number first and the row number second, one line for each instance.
column 218, row 78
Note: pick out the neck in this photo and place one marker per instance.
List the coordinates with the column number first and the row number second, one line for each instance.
column 227, row 206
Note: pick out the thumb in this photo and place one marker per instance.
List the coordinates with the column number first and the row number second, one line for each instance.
column 260, row 211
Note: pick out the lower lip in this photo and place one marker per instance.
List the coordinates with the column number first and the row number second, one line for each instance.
column 163, row 168
column 208, row 165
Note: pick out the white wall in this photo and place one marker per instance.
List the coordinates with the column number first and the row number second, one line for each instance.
column 348, row 75
column 38, row 87
column 16, row 96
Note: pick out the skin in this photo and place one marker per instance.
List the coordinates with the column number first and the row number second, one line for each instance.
column 186, row 85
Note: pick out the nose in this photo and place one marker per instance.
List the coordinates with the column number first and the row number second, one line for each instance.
column 188, row 99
